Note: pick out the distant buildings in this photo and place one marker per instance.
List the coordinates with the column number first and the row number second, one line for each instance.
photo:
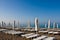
column 17, row 24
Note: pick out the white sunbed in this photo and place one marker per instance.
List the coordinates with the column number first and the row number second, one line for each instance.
column 50, row 32
column 53, row 32
column 31, row 36
column 26, row 29
column 2, row 29
column 13, row 32
column 40, row 38
column 43, row 31
column 49, row 38
column 31, row 30
column 58, row 30
column 27, row 34
column 16, row 28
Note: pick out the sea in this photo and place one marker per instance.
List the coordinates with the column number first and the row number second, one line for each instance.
column 40, row 26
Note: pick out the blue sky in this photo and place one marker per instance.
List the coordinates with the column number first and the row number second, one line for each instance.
column 29, row 9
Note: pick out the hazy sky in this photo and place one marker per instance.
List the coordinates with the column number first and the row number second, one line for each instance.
column 29, row 9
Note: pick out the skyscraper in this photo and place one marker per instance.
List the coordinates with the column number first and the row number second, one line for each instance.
column 45, row 25
column 28, row 23
column 36, row 24
column 57, row 25
column 14, row 25
column 2, row 24
column 53, row 25
column 18, row 24
column 49, row 24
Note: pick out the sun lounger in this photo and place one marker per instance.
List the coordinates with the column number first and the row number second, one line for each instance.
column 2, row 29
column 26, row 29
column 58, row 30
column 43, row 31
column 31, row 30
column 13, row 32
column 51, row 32
column 31, row 36
column 55, row 32
column 27, row 34
column 40, row 38
column 50, row 38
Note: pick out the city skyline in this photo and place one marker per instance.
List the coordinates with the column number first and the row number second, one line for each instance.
column 24, row 10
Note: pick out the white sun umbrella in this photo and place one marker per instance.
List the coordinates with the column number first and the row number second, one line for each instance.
column 36, row 24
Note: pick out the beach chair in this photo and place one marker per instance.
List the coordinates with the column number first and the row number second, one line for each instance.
column 56, row 33
column 32, row 36
column 43, row 31
column 13, row 32
column 40, row 38
column 2, row 29
column 51, row 32
column 27, row 34
column 50, row 38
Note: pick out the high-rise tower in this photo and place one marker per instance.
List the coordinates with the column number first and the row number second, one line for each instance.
column 36, row 24
column 28, row 23
column 49, row 24
column 14, row 25
column 45, row 25
column 18, row 24
column 53, row 25
column 2, row 24
column 57, row 26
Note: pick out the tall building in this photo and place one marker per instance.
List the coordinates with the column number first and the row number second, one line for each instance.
column 28, row 23
column 57, row 25
column 9, row 24
column 36, row 24
column 53, row 25
column 49, row 24
column 2, row 24
column 45, row 25
column 14, row 25
column 18, row 24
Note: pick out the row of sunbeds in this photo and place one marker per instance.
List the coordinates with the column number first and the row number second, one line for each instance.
column 11, row 31
column 30, row 35
column 37, row 37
